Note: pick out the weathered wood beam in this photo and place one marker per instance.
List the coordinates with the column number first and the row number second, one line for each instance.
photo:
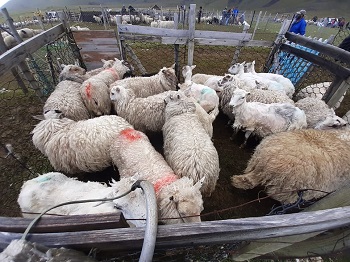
column 210, row 233
column 327, row 49
column 17, row 54
column 50, row 224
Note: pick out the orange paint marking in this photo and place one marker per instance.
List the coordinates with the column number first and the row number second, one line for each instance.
column 88, row 90
column 130, row 134
column 114, row 73
column 164, row 181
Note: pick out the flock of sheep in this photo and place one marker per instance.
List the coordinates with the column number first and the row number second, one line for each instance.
column 96, row 119
column 24, row 34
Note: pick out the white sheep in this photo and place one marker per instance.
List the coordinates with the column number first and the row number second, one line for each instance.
column 187, row 147
column 251, row 79
column 97, row 19
column 177, row 198
column 66, row 96
column 287, row 84
column 50, row 189
column 164, row 80
column 204, row 79
column 319, row 115
column 317, row 91
column 95, row 90
column 148, row 113
column 302, row 159
column 81, row 146
column 163, row 24
column 264, row 119
column 105, row 64
column 204, row 95
column 256, row 95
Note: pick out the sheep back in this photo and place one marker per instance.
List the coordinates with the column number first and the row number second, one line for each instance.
column 296, row 160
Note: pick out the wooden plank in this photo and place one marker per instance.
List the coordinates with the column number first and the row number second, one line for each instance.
column 339, row 198
column 96, row 45
column 334, row 68
column 333, row 51
column 210, row 233
column 49, row 224
column 18, row 53
column 218, row 42
column 145, row 30
column 191, row 33
column 338, row 92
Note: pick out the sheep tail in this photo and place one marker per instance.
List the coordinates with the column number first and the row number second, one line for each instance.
column 245, row 181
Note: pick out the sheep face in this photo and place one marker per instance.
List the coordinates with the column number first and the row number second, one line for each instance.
column 226, row 80
column 71, row 72
column 331, row 122
column 117, row 92
column 187, row 71
column 168, row 77
column 236, row 68
column 178, row 104
column 238, row 98
column 122, row 67
column 183, row 201
column 107, row 63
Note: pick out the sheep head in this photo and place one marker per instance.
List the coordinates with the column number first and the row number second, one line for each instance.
column 187, row 71
column 238, row 98
column 73, row 73
column 181, row 200
column 168, row 78
column 331, row 122
column 237, row 68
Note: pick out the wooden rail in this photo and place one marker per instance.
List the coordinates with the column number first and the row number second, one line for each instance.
column 179, row 235
column 17, row 54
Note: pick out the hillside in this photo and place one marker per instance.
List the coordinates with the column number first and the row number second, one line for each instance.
column 335, row 8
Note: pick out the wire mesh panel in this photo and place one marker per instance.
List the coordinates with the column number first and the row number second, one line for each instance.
column 19, row 102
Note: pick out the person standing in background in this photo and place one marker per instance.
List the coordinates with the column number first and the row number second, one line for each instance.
column 200, row 14
column 299, row 23
column 235, row 15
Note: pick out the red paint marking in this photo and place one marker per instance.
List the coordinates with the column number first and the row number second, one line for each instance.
column 131, row 134
column 164, row 181
column 114, row 73
column 88, row 90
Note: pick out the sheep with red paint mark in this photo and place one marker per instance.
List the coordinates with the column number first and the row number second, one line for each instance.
column 177, row 198
column 77, row 146
column 187, row 147
column 95, row 90
column 148, row 113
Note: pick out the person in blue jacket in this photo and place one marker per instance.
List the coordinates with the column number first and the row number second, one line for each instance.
column 299, row 23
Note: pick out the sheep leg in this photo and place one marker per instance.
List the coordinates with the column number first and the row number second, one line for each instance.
column 246, row 136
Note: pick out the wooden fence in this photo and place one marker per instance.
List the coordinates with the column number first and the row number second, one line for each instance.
column 269, row 235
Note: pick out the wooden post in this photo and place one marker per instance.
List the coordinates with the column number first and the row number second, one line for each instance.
column 136, row 59
column 22, row 65
column 176, row 56
column 256, row 25
column 118, row 20
column 3, row 49
column 337, row 91
column 176, row 20
column 191, row 29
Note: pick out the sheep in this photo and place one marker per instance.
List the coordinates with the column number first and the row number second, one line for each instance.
column 97, row 19
column 66, row 96
column 256, row 95
column 187, row 147
column 204, row 95
column 297, row 160
column 264, row 119
column 317, row 91
column 148, row 114
column 204, row 79
column 54, row 188
column 287, row 84
column 164, row 80
column 163, row 24
column 135, row 156
column 250, row 79
column 105, row 64
column 318, row 114
column 95, row 90
column 77, row 146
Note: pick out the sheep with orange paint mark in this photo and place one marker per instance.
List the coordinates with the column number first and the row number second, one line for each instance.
column 95, row 90
column 177, row 198
column 77, row 146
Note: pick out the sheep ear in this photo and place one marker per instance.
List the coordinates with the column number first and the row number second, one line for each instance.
column 39, row 117
column 63, row 66
column 199, row 184
column 103, row 61
column 173, row 66
column 193, row 67
column 253, row 63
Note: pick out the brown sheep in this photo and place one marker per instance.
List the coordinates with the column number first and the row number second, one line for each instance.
column 301, row 159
